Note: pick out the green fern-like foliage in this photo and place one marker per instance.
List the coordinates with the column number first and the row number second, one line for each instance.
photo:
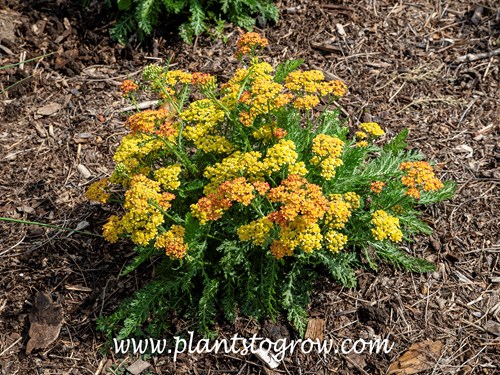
column 143, row 16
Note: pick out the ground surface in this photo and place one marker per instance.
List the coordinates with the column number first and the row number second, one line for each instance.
column 400, row 63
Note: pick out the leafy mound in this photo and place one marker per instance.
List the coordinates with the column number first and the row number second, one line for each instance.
column 143, row 16
column 247, row 195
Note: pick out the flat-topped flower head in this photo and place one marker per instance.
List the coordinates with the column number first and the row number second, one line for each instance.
column 377, row 186
column 372, row 128
column 172, row 242
column 386, row 226
column 203, row 80
column 419, row 177
column 128, row 86
column 249, row 43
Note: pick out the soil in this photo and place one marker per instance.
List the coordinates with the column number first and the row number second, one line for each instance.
column 402, row 61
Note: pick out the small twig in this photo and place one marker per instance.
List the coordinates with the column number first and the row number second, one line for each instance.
column 143, row 105
column 477, row 56
column 11, row 346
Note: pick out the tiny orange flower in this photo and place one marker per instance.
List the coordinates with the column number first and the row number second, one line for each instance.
column 128, row 86
column 377, row 186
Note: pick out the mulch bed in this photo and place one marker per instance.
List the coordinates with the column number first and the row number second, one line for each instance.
column 405, row 67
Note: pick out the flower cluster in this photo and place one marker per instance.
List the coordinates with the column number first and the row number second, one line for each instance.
column 249, row 42
column 153, row 121
column 340, row 208
column 327, row 151
column 203, row 80
column 98, row 191
column 256, row 231
column 372, row 128
column 168, row 177
column 297, row 196
column 128, row 87
column 310, row 85
column 212, row 206
column 419, row 176
column 172, row 242
column 377, row 186
column 386, row 226
column 248, row 177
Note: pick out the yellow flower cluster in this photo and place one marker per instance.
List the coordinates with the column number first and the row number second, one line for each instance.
column 264, row 96
column 256, row 231
column 264, row 133
column 170, row 79
column 313, row 82
column 298, row 168
column 335, row 241
column 340, row 209
column 310, row 81
column 254, row 87
column 419, row 175
column 133, row 149
column 306, row 102
column 168, row 177
column 112, row 229
column 237, row 164
column 327, row 151
column 204, row 117
column 386, row 226
column 97, row 192
column 372, row 128
column 353, row 199
column 280, row 154
column 249, row 42
column 361, row 135
column 172, row 242
column 298, row 233
column 141, row 218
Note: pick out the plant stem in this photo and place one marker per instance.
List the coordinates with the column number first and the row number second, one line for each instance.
column 8, row 219
column 25, row 61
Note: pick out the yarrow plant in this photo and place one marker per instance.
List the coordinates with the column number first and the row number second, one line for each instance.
column 249, row 193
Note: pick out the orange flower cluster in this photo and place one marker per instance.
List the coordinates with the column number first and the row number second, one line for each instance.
column 297, row 197
column 212, row 206
column 172, row 242
column 153, row 121
column 377, row 186
column 128, row 86
column 249, row 42
column 419, row 176
column 203, row 80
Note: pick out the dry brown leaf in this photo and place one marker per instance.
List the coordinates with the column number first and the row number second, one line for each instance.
column 49, row 109
column 46, row 321
column 419, row 357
